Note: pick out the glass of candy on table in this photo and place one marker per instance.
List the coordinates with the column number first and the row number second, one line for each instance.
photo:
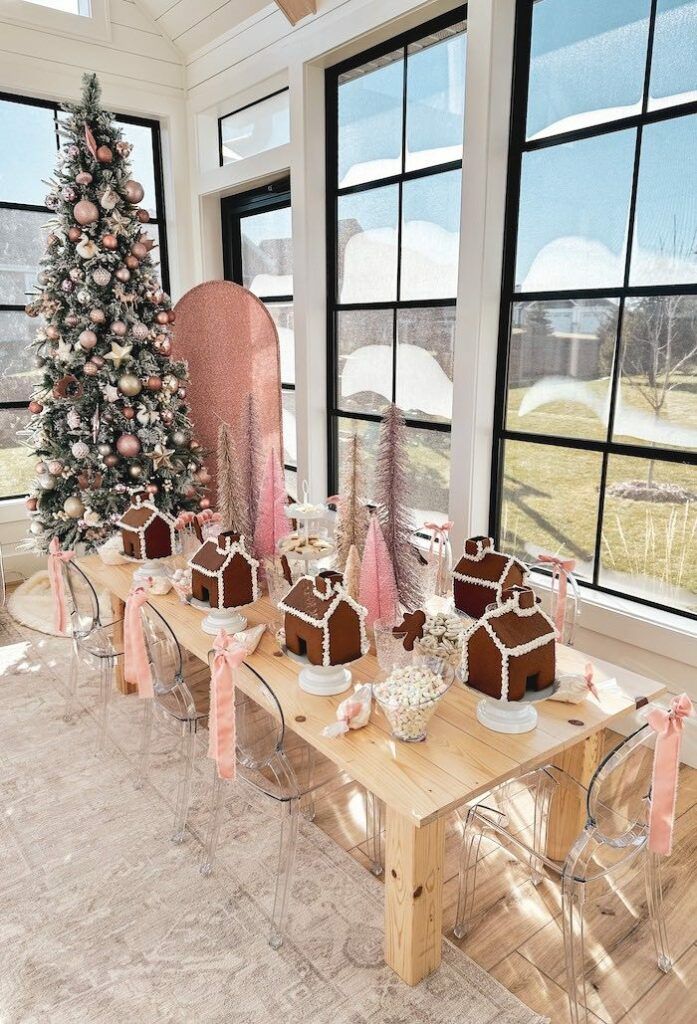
column 410, row 694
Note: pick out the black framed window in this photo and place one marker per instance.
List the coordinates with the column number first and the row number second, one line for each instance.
column 28, row 145
column 258, row 253
column 395, row 122
column 595, row 452
column 254, row 128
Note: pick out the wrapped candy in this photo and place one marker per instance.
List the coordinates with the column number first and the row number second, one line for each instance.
column 352, row 713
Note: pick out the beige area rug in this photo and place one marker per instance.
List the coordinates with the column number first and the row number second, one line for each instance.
column 104, row 921
column 31, row 604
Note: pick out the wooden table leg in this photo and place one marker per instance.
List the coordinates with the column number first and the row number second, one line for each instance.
column 117, row 611
column 413, row 896
column 567, row 814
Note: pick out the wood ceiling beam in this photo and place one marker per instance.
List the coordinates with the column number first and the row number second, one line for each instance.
column 294, row 10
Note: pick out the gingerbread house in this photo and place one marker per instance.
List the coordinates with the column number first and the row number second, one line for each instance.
column 322, row 622
column 223, row 573
column 146, row 531
column 511, row 650
column 482, row 574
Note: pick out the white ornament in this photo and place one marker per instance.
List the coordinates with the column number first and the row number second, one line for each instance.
column 145, row 417
column 80, row 450
column 86, row 249
column 109, row 199
column 91, row 517
column 36, row 528
column 110, row 392
column 140, row 331
column 84, row 298
column 101, row 277
column 73, row 419
column 63, row 351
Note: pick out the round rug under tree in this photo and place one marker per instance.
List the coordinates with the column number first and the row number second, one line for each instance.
column 31, row 603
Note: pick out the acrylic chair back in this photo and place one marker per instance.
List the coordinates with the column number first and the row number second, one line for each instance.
column 81, row 598
column 259, row 722
column 619, row 792
column 166, row 663
column 565, row 615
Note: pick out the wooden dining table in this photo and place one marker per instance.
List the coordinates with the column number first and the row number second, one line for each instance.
column 419, row 783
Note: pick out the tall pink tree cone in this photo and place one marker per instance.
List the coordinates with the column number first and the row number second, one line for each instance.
column 272, row 523
column 378, row 589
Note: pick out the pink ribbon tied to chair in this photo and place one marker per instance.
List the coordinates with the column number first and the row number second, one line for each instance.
column 561, row 567
column 440, row 536
column 668, row 726
column 55, row 577
column 136, row 664
column 229, row 655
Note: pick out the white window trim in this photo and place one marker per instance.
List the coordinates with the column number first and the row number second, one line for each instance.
column 95, row 25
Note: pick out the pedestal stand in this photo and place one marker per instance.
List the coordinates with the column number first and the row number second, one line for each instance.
column 320, row 680
column 150, row 569
column 506, row 716
column 228, row 619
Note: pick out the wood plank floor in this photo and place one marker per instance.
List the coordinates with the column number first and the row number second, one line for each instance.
column 518, row 936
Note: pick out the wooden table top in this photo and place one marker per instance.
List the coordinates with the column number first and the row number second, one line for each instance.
column 459, row 760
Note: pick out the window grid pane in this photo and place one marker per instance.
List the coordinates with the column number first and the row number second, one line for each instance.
column 598, row 342
column 393, row 243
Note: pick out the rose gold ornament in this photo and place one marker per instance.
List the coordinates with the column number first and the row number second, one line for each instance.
column 152, row 488
column 104, row 155
column 97, row 360
column 110, row 242
column 31, row 504
column 118, row 328
column 87, row 339
column 162, row 317
column 154, row 383
column 181, row 393
column 139, row 250
column 129, row 412
column 71, row 320
column 143, row 216
column 134, row 191
column 83, row 178
column 123, row 274
column 91, row 370
column 35, row 407
column 131, row 262
column 97, row 316
column 205, row 503
column 128, row 445
column 52, row 332
column 167, row 417
column 171, row 316
column 74, row 234
column 85, row 212
column 55, row 467
column 111, row 460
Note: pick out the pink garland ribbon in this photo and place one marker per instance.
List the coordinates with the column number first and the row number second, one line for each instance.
column 229, row 655
column 55, row 577
column 440, row 534
column 90, row 142
column 668, row 726
column 136, row 664
column 561, row 567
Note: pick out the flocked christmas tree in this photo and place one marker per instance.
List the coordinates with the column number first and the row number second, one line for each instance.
column 109, row 416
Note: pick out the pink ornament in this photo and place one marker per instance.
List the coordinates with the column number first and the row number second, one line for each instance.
column 134, row 191
column 35, row 407
column 53, row 333
column 152, row 488
column 110, row 242
column 104, row 155
column 83, row 178
column 128, row 445
column 123, row 274
column 85, row 212
column 378, row 590
column 272, row 523
column 91, row 370
column 139, row 250
column 119, row 328
column 204, row 503
column 55, row 467
column 162, row 317
column 87, row 339
column 97, row 316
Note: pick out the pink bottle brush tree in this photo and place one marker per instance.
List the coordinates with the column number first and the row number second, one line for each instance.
column 272, row 523
column 378, row 590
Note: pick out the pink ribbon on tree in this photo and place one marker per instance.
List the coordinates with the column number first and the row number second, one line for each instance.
column 668, row 726
column 561, row 567
column 90, row 142
column 229, row 655
column 136, row 664
column 440, row 532
column 55, row 577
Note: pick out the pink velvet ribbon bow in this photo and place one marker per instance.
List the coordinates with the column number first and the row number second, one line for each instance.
column 440, row 535
column 136, row 664
column 668, row 726
column 561, row 567
column 229, row 655
column 55, row 577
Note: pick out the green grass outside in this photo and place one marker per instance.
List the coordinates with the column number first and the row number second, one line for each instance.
column 16, row 471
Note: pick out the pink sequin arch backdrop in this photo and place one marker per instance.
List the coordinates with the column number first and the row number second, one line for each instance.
column 231, row 345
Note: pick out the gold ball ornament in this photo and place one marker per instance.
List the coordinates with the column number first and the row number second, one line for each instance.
column 85, row 212
column 136, row 470
column 129, row 385
column 73, row 507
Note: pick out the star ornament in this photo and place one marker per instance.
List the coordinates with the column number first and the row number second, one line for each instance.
column 161, row 457
column 63, row 351
column 119, row 353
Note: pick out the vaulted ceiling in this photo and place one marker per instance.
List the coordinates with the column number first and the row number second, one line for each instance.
column 192, row 25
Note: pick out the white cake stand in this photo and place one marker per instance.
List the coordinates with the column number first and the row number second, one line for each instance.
column 319, row 680
column 152, row 568
column 510, row 716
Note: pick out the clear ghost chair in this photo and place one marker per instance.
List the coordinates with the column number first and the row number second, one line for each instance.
column 92, row 641
column 181, row 687
column 615, row 835
column 274, row 761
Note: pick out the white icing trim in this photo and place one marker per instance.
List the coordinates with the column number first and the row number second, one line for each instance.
column 231, row 548
column 497, row 587
column 511, row 605
column 140, row 530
